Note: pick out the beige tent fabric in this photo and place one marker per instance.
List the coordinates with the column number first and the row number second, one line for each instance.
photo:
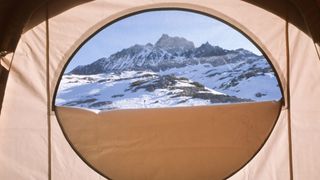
column 318, row 49
column 205, row 142
column 110, row 10
column 23, row 122
column 23, row 125
column 62, row 29
column 66, row 164
column 6, row 60
column 305, row 105
column 12, row 24
column 272, row 160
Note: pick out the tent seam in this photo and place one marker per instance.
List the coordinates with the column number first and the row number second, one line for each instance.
column 317, row 46
column 288, row 94
column 48, row 91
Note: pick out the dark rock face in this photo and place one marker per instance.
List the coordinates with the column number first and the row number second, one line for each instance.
column 168, row 52
column 77, row 102
column 99, row 104
column 93, row 68
column 197, row 91
column 207, row 50
column 251, row 72
column 174, row 44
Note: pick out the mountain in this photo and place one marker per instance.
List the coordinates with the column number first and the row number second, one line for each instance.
column 174, row 45
column 168, row 52
column 171, row 72
column 207, row 50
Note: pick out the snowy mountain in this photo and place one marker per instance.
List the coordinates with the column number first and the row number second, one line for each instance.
column 172, row 72
column 179, row 52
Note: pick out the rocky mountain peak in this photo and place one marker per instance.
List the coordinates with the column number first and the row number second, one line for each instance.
column 207, row 50
column 168, row 52
column 243, row 51
column 149, row 45
column 174, row 43
column 206, row 45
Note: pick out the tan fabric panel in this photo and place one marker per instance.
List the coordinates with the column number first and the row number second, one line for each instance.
column 23, row 125
column 207, row 142
column 6, row 60
column 62, row 29
column 13, row 16
column 272, row 161
column 98, row 13
column 66, row 164
column 310, row 11
column 12, row 25
column 305, row 103
column 318, row 49
column 23, row 140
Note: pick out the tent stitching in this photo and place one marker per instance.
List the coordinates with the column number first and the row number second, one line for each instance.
column 288, row 96
column 48, row 90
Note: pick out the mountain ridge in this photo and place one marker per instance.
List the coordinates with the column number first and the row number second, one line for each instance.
column 170, row 73
column 168, row 52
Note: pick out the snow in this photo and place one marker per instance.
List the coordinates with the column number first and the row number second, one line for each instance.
column 184, row 84
column 94, row 91
column 113, row 87
column 75, row 87
column 212, row 91
column 112, row 90
column 60, row 101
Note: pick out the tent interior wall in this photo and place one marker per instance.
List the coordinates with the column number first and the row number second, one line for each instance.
column 306, row 16
column 12, row 25
column 34, row 50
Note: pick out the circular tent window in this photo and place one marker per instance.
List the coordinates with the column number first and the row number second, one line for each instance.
column 167, row 94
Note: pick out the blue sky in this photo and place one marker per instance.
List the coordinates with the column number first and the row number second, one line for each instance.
column 148, row 27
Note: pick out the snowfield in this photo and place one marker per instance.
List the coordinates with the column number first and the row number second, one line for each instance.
column 117, row 90
column 110, row 91
column 171, row 73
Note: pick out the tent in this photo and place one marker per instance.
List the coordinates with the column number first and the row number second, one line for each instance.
column 38, row 37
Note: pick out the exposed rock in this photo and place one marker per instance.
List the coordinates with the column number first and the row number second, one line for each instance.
column 168, row 52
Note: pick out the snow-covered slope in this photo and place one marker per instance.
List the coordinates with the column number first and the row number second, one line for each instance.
column 168, row 74
column 136, row 89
